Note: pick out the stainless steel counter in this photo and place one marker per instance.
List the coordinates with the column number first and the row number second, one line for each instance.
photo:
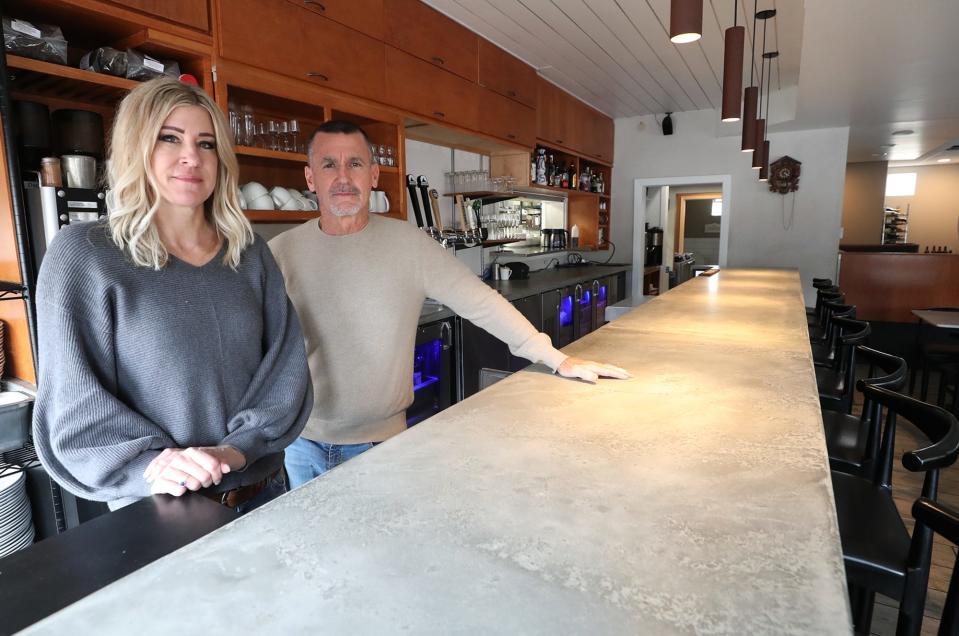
column 693, row 498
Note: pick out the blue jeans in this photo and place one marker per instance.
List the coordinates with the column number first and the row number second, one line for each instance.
column 306, row 459
column 275, row 487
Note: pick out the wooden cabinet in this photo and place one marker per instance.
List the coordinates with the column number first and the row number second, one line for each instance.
column 504, row 74
column 420, row 87
column 281, row 37
column 502, row 117
column 426, row 33
column 365, row 16
column 562, row 120
column 192, row 13
column 552, row 113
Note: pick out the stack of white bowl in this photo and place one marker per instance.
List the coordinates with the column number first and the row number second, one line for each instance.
column 16, row 521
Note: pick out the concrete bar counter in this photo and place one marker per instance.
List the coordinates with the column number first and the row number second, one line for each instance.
column 693, row 498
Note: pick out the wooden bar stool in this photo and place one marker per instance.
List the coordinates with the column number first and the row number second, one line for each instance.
column 853, row 442
column 836, row 383
column 944, row 521
column 878, row 552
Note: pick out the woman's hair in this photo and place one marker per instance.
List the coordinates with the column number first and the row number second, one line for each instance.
column 133, row 201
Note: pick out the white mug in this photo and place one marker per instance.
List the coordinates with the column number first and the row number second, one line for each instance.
column 283, row 199
column 379, row 202
column 253, row 191
column 505, row 273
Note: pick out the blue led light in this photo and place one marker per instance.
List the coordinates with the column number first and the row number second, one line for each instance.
column 602, row 294
column 566, row 311
column 426, row 363
column 585, row 298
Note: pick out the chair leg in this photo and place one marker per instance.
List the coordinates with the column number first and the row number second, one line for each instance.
column 862, row 602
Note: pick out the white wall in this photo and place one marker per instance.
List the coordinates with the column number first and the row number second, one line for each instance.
column 434, row 161
column 761, row 234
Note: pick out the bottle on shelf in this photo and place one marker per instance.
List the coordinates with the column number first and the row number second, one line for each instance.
column 551, row 170
column 584, row 179
column 541, row 166
column 574, row 179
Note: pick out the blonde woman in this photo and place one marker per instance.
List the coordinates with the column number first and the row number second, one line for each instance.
column 171, row 359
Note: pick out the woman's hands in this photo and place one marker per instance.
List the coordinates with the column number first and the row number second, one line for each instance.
column 177, row 470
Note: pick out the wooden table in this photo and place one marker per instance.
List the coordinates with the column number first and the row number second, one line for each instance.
column 941, row 319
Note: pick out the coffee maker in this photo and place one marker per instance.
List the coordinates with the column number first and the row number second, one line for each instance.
column 60, row 169
column 654, row 246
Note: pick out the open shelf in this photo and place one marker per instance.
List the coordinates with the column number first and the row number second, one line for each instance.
column 280, row 216
column 486, row 197
column 266, row 153
column 66, row 82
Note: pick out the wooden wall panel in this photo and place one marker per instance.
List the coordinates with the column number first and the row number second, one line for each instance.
column 888, row 286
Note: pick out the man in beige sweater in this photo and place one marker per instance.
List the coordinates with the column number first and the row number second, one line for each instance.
column 358, row 283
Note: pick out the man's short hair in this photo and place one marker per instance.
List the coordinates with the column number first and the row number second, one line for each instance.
column 337, row 127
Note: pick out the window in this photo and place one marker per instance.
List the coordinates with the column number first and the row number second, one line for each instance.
column 717, row 209
column 902, row 184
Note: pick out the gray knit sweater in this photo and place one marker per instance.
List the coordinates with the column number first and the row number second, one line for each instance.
column 134, row 360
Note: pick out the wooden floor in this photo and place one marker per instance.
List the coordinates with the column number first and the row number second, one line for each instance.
column 906, row 489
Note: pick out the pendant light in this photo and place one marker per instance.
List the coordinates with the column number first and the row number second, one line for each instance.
column 764, row 168
column 760, row 122
column 733, row 68
column 685, row 21
column 750, row 97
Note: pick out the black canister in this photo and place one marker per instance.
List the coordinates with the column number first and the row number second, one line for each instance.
column 32, row 133
column 78, row 132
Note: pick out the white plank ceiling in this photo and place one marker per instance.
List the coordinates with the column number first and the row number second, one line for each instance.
column 616, row 54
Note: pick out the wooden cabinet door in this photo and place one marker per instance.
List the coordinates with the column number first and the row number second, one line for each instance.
column 552, row 113
column 192, row 13
column 605, row 133
column 502, row 117
column 504, row 74
column 420, row 87
column 365, row 16
column 281, row 37
column 429, row 35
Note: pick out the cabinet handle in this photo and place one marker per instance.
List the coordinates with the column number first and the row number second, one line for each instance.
column 315, row 4
column 446, row 335
column 438, row 60
column 559, row 141
column 511, row 93
column 318, row 76
column 439, row 113
column 510, row 136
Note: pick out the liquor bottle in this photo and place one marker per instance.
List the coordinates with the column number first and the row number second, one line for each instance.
column 532, row 168
column 564, row 181
column 550, row 170
column 574, row 179
column 584, row 180
column 541, row 166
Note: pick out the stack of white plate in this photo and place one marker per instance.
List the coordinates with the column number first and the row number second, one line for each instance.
column 16, row 521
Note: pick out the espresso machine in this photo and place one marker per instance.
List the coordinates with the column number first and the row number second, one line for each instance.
column 654, row 246
column 60, row 168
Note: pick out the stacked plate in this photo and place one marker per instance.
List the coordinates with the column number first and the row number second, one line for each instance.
column 16, row 522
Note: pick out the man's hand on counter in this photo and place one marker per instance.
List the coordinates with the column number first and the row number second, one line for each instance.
column 589, row 370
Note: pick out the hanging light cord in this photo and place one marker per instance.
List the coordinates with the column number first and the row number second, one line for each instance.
column 762, row 75
column 752, row 70
column 735, row 11
column 769, row 79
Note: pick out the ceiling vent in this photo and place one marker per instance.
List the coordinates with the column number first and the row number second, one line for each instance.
column 952, row 148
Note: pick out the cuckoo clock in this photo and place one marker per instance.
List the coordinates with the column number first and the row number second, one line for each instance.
column 784, row 175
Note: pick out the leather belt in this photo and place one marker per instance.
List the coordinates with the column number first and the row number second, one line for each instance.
column 241, row 494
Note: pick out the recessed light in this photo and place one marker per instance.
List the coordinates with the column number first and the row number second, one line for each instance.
column 943, row 160
column 904, row 131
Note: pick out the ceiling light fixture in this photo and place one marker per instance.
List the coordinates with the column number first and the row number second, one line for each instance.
column 760, row 122
column 685, row 21
column 904, row 131
column 733, row 68
column 750, row 97
column 943, row 160
column 764, row 168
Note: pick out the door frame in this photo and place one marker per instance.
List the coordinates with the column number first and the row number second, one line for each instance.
column 681, row 199
column 639, row 219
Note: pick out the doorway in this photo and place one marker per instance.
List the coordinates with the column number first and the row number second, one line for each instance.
column 698, row 225
column 655, row 203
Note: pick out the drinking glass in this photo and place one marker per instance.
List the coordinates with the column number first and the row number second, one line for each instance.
column 260, row 137
column 294, row 128
column 390, row 160
column 283, row 136
column 249, row 127
column 273, row 131
column 381, row 152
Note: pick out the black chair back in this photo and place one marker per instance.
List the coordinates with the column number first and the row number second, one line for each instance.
column 894, row 372
column 944, row 521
